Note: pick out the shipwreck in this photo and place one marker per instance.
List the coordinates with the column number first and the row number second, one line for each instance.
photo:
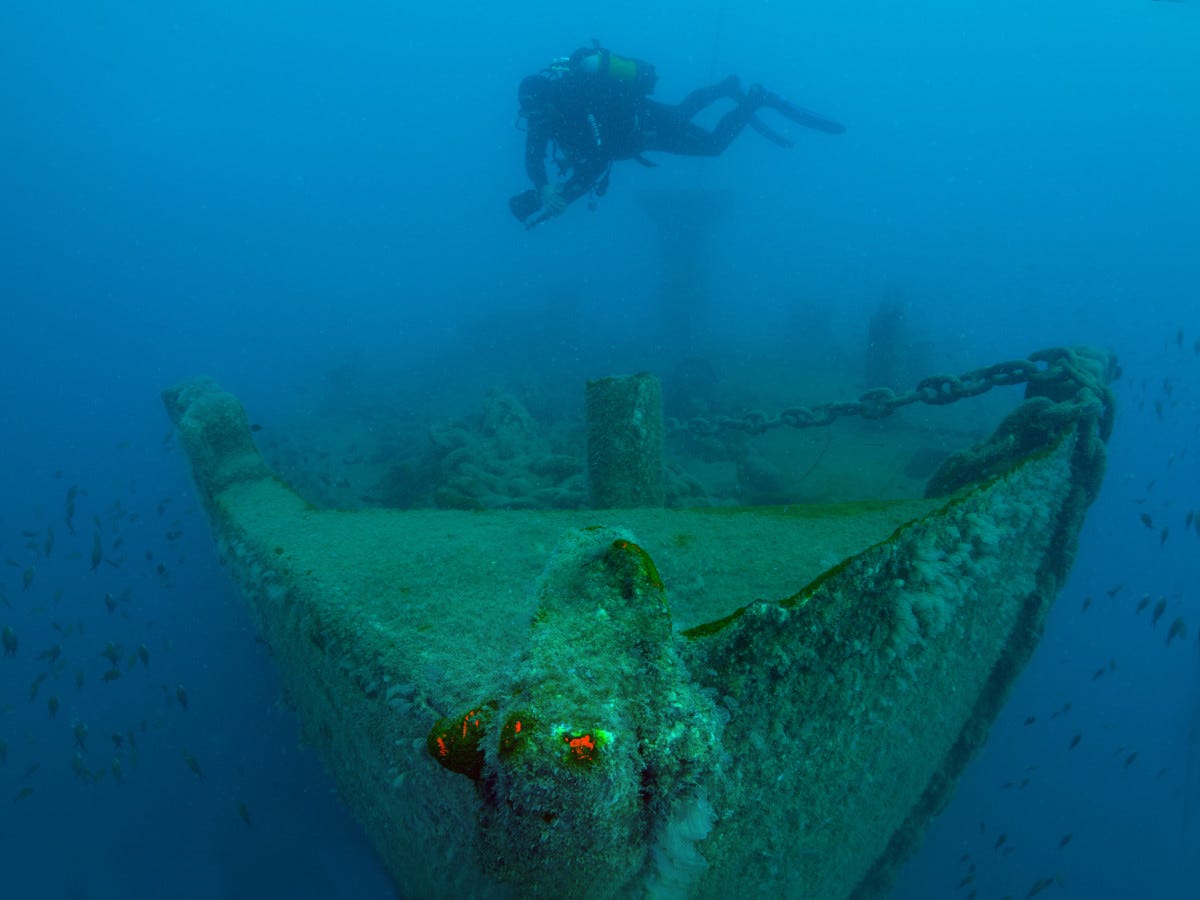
column 633, row 701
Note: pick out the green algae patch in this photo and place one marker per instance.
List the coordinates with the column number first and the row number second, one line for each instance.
column 516, row 733
column 457, row 743
column 582, row 749
column 710, row 628
column 643, row 564
column 817, row 511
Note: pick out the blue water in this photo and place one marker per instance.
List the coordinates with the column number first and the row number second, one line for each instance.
column 263, row 191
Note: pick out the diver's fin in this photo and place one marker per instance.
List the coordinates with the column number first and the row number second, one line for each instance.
column 802, row 116
column 769, row 133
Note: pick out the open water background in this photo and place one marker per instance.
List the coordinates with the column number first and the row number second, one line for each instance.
column 260, row 191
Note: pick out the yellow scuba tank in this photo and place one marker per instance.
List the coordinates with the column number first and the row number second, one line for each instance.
column 624, row 71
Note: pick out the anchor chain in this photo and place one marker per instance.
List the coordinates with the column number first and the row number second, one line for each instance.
column 1089, row 369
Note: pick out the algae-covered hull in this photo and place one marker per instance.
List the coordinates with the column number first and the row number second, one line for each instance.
column 511, row 707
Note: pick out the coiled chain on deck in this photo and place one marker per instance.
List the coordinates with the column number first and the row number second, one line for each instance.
column 1044, row 367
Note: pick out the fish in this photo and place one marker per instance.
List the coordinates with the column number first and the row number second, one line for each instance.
column 27, row 577
column 1147, row 520
column 8, row 638
column 181, row 696
column 51, row 654
column 23, row 793
column 80, row 731
column 113, row 653
column 111, row 675
column 3, row 751
column 115, row 768
column 1087, row 601
column 194, row 765
column 1064, row 840
column 97, row 551
column 1029, row 720
column 244, row 814
column 1130, row 759
column 69, row 506
column 1143, row 602
column 36, row 685
column 1041, row 884
column 109, row 603
column 143, row 655
column 1000, row 840
column 48, row 542
column 1075, row 741
column 52, row 706
column 1177, row 630
column 1159, row 608
column 1163, row 535
column 1096, row 675
column 1066, row 708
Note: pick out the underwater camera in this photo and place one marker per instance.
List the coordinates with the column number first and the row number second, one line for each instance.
column 525, row 204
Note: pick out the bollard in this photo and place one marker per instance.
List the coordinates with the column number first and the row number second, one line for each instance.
column 625, row 439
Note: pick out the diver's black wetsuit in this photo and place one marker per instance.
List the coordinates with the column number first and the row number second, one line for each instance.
column 591, row 128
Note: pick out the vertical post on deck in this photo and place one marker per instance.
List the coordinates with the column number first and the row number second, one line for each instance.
column 625, row 441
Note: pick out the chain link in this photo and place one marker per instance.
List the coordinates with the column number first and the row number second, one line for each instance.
column 1054, row 365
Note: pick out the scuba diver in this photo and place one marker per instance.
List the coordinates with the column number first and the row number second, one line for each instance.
column 593, row 108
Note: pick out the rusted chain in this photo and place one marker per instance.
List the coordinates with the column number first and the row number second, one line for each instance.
column 1088, row 369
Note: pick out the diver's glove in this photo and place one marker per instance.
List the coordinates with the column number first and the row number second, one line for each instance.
column 553, row 201
column 525, row 204
column 548, row 200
